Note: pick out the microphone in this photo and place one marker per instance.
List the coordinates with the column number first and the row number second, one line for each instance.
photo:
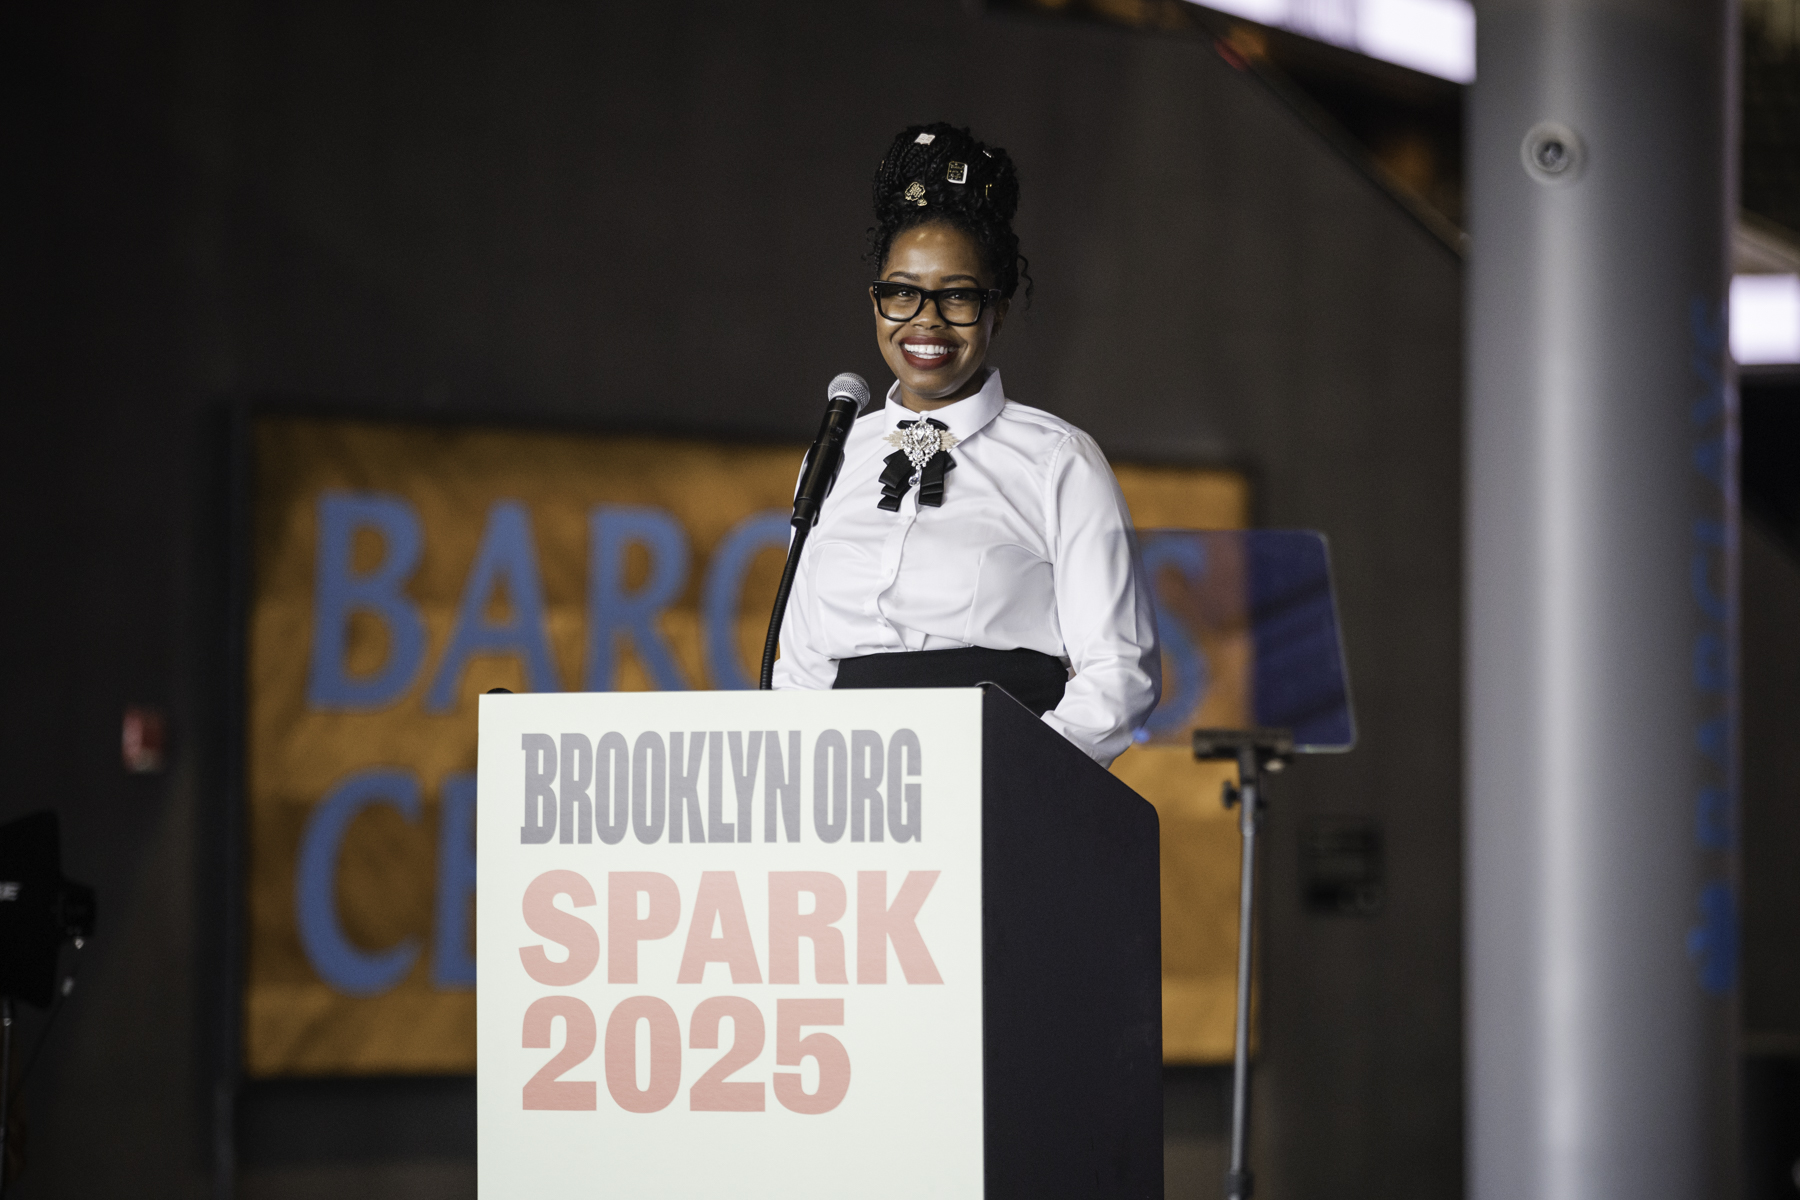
column 844, row 399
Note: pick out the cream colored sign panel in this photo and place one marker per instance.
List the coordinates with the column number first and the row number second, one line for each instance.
column 730, row 944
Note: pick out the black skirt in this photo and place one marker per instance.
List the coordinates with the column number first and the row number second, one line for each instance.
column 1034, row 679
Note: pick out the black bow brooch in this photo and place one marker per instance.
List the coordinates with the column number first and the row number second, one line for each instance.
column 923, row 447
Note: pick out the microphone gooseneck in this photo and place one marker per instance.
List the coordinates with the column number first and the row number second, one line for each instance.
column 844, row 400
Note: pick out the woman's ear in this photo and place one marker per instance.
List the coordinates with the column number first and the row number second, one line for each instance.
column 1000, row 307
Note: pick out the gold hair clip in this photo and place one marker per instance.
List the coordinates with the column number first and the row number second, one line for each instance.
column 987, row 191
column 915, row 193
column 957, row 172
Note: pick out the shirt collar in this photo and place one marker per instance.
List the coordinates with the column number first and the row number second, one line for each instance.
column 966, row 418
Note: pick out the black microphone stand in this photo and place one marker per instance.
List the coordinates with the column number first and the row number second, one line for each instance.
column 817, row 475
column 772, row 643
column 1254, row 751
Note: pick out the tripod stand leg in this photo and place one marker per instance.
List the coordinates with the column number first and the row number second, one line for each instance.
column 1238, row 1180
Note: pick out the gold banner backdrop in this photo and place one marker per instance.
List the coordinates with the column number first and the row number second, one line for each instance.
column 402, row 570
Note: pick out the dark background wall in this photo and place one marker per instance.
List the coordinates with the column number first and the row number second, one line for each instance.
column 651, row 215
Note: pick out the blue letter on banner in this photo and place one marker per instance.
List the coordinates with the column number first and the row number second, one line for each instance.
column 338, row 591
column 612, row 611
column 724, row 592
column 338, row 962
column 453, row 960
column 507, row 556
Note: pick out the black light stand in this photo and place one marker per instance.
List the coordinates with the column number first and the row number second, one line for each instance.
column 42, row 911
column 1255, row 751
column 6, row 1036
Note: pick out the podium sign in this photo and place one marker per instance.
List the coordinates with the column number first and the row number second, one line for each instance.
column 730, row 943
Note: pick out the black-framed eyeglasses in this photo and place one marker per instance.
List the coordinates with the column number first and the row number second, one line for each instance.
column 958, row 306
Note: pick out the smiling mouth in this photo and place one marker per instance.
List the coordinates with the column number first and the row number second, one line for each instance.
column 925, row 355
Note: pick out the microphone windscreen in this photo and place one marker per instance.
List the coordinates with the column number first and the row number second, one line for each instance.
column 850, row 385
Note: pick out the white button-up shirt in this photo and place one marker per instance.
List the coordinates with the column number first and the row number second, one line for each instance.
column 1032, row 548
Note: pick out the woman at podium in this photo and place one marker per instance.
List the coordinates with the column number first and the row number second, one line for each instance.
column 970, row 538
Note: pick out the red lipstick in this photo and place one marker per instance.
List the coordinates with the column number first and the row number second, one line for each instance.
column 927, row 354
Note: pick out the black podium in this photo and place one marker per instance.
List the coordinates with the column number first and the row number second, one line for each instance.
column 808, row 945
column 1072, row 949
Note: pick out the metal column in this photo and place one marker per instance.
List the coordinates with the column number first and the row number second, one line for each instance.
column 1601, row 602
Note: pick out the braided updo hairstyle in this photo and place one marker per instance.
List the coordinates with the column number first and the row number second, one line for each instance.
column 940, row 173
